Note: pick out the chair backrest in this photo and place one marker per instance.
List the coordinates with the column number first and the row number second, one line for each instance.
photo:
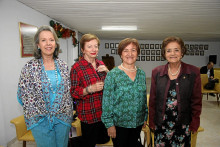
column 204, row 80
column 217, row 76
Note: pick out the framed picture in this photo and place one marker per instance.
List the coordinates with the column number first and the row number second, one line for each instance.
column 160, row 46
column 106, row 45
column 200, row 47
column 157, row 52
column 146, row 46
column 156, row 46
column 142, row 52
column 116, row 51
column 187, row 53
column 147, row 52
column 151, row 46
column 27, row 33
column 138, row 58
column 116, row 45
column 147, row 58
column 153, row 52
column 112, row 51
column 197, row 53
column 162, row 58
column 111, row 45
column 152, row 58
column 191, row 47
column 157, row 58
column 196, row 47
column 191, row 53
column 201, row 53
column 142, row 46
column 142, row 58
column 187, row 46
column 206, row 47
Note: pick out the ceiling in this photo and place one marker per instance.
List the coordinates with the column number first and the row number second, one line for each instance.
column 192, row 20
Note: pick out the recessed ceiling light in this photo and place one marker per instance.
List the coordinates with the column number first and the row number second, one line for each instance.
column 119, row 28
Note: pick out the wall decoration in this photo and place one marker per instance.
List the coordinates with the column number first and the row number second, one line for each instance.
column 142, row 58
column 206, row 47
column 200, row 47
column 111, row 45
column 151, row 46
column 27, row 33
column 142, row 46
column 147, row 52
column 197, row 53
column 116, row 45
column 64, row 32
column 147, row 58
column 106, row 45
column 187, row 46
column 138, row 58
column 156, row 46
column 191, row 47
column 112, row 51
column 116, row 51
column 162, row 58
column 201, row 53
column 152, row 58
column 160, row 46
column 152, row 52
column 146, row 46
column 196, row 47
column 142, row 52
column 157, row 52
column 191, row 53
column 157, row 58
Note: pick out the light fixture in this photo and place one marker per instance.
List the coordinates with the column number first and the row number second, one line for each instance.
column 119, row 28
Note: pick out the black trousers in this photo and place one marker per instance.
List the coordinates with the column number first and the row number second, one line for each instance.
column 126, row 137
column 92, row 134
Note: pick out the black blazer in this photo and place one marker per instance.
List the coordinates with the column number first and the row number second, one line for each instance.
column 204, row 69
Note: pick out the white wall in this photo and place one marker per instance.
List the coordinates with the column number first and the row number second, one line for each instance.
column 11, row 13
column 147, row 66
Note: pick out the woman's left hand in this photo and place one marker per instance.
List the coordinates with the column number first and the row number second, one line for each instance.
column 102, row 68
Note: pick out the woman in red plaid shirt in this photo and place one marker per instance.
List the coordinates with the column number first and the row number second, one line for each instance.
column 87, row 81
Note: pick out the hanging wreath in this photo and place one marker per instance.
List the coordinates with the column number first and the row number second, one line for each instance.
column 64, row 32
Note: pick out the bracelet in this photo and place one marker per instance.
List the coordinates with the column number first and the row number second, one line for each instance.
column 91, row 89
column 87, row 90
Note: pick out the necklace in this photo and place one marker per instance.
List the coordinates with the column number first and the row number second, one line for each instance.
column 130, row 70
column 53, row 90
column 174, row 74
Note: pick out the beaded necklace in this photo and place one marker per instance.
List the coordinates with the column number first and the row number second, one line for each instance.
column 130, row 70
column 48, row 79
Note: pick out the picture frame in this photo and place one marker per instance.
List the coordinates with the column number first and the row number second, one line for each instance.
column 187, row 46
column 197, row 53
column 157, row 58
column 138, row 58
column 152, row 58
column 147, row 58
column 116, row 51
column 112, row 51
column 196, row 47
column 106, row 45
column 191, row 47
column 142, row 52
column 191, row 53
column 27, row 33
column 116, row 45
column 153, row 52
column 157, row 52
column 160, row 46
column 146, row 46
column 151, row 46
column 200, row 47
column 162, row 58
column 111, row 45
column 201, row 53
column 147, row 52
column 142, row 58
column 142, row 46
column 156, row 46
column 206, row 47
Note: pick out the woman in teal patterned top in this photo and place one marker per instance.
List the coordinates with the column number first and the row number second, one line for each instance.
column 124, row 108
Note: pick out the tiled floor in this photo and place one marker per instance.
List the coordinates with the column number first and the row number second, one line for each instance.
column 210, row 121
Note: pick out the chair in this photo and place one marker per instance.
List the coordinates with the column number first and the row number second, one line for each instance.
column 149, row 135
column 22, row 133
column 76, row 124
column 216, row 90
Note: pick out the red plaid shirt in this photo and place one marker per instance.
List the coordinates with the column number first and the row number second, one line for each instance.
column 89, row 107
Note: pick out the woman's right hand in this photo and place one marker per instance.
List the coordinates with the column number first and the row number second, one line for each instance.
column 112, row 132
column 98, row 86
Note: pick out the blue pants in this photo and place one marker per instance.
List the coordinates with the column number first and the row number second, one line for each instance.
column 56, row 137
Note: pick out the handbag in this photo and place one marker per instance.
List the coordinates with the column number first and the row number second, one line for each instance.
column 211, row 84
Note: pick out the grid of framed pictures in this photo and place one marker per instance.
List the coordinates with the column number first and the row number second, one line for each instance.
column 196, row 49
column 147, row 54
column 113, row 47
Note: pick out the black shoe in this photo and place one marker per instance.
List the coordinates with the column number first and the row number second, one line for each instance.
column 212, row 94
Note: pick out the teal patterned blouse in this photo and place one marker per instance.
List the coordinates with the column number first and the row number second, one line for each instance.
column 124, row 101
